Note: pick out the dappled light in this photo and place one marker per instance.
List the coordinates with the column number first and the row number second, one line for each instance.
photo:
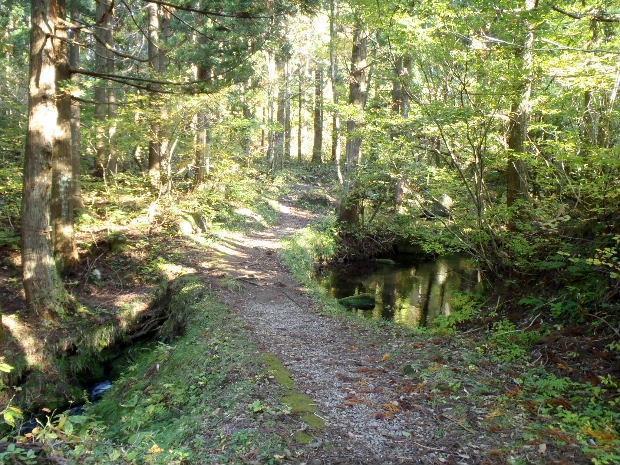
column 302, row 232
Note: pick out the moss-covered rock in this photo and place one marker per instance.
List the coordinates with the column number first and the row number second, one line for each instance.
column 361, row 301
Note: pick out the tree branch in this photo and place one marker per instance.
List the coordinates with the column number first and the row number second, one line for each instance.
column 242, row 15
column 598, row 15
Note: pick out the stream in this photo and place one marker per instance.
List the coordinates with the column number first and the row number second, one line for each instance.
column 409, row 293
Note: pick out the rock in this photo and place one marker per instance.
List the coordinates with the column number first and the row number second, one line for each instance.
column 186, row 228
column 99, row 389
column 192, row 223
column 361, row 301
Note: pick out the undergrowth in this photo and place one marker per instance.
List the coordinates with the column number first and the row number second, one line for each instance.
column 545, row 407
column 193, row 400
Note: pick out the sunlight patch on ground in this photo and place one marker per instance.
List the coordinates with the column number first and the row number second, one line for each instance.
column 226, row 250
column 29, row 343
column 173, row 270
column 277, row 206
column 243, row 211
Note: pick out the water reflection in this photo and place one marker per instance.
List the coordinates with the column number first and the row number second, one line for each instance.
column 412, row 295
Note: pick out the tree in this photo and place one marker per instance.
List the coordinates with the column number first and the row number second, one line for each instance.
column 279, row 131
column 287, row 113
column 333, row 77
column 300, row 108
column 349, row 210
column 76, row 132
column 317, row 147
column 516, row 169
column 202, row 160
column 62, row 161
column 105, row 65
column 155, row 146
column 44, row 290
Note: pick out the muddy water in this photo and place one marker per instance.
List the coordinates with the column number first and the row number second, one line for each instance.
column 411, row 294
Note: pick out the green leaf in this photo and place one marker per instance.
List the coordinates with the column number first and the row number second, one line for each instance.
column 12, row 415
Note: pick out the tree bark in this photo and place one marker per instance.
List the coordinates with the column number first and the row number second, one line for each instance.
column 349, row 211
column 44, row 290
column 317, row 147
column 287, row 113
column 333, row 75
column 278, row 136
column 154, row 162
column 201, row 158
column 76, row 132
column 166, row 148
column 300, row 121
column 516, row 170
column 62, row 170
column 104, row 64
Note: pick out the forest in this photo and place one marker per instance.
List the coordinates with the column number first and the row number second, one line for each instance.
column 310, row 232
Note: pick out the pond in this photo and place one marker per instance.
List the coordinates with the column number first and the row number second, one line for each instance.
column 412, row 294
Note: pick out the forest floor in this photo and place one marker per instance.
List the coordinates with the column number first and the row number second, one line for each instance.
column 379, row 396
column 321, row 387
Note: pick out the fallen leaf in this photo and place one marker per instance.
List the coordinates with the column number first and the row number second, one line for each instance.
column 155, row 449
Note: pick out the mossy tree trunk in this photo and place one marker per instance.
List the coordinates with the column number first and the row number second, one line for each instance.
column 44, row 290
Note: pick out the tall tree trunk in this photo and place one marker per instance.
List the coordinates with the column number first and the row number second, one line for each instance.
column 300, row 121
column 516, row 170
column 278, row 136
column 166, row 148
column 317, row 147
column 404, row 94
column 103, row 36
column 333, row 75
column 154, row 162
column 201, row 157
column 249, row 116
column 400, row 106
column 287, row 113
column 44, row 290
column 271, row 90
column 349, row 211
column 76, row 132
column 62, row 172
column 397, row 87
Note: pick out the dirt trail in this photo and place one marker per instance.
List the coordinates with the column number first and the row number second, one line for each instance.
column 373, row 414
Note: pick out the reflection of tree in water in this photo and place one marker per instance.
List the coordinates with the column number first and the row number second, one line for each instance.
column 388, row 296
column 412, row 296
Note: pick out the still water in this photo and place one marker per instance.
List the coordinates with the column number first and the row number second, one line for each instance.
column 409, row 294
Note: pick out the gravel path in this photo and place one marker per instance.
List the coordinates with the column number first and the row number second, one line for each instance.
column 373, row 413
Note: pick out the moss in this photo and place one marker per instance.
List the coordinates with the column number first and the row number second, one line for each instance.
column 361, row 301
column 301, row 437
column 279, row 371
column 299, row 403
